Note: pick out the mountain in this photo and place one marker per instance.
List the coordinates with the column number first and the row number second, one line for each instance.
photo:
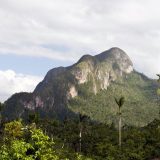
column 90, row 86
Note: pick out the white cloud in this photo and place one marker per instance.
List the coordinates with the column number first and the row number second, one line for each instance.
column 11, row 82
column 65, row 30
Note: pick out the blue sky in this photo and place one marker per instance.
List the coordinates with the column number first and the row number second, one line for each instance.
column 37, row 35
column 37, row 66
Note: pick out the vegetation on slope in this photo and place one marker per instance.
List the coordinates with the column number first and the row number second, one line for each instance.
column 60, row 141
column 141, row 100
column 26, row 142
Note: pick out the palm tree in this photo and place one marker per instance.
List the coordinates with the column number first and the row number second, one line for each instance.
column 81, row 119
column 120, row 103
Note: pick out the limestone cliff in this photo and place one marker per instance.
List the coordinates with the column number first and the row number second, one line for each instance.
column 60, row 85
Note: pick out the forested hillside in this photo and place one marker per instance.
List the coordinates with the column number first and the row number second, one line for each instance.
column 54, row 140
column 141, row 101
column 90, row 87
column 99, row 108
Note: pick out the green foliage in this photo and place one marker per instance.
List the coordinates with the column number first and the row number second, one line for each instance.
column 141, row 106
column 33, row 118
column 80, row 157
column 16, row 150
column 100, row 141
column 158, row 91
column 120, row 102
column 26, row 143
column 30, row 143
column 1, row 106
column 42, row 145
column 13, row 129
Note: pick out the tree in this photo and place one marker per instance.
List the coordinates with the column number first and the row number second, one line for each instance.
column 29, row 143
column 33, row 118
column 81, row 119
column 25, row 142
column 120, row 103
column 13, row 130
column 158, row 90
column 1, row 107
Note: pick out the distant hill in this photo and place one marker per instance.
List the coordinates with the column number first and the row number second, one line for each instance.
column 90, row 86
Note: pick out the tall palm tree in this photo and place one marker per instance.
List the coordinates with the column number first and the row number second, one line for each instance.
column 120, row 103
column 81, row 119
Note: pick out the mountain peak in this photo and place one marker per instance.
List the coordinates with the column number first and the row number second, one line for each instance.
column 116, row 49
column 63, row 83
column 86, row 57
column 114, row 52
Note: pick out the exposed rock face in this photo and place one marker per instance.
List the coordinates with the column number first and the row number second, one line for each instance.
column 72, row 92
column 60, row 84
column 102, row 69
column 118, row 59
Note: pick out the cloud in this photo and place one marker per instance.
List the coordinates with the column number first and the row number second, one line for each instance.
column 11, row 82
column 65, row 30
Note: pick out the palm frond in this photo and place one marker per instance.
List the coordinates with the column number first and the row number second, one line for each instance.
column 117, row 101
column 121, row 101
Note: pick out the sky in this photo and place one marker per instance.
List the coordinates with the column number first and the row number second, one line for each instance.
column 37, row 35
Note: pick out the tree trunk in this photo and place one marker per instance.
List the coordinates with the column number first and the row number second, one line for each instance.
column 80, row 140
column 63, row 143
column 120, row 131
